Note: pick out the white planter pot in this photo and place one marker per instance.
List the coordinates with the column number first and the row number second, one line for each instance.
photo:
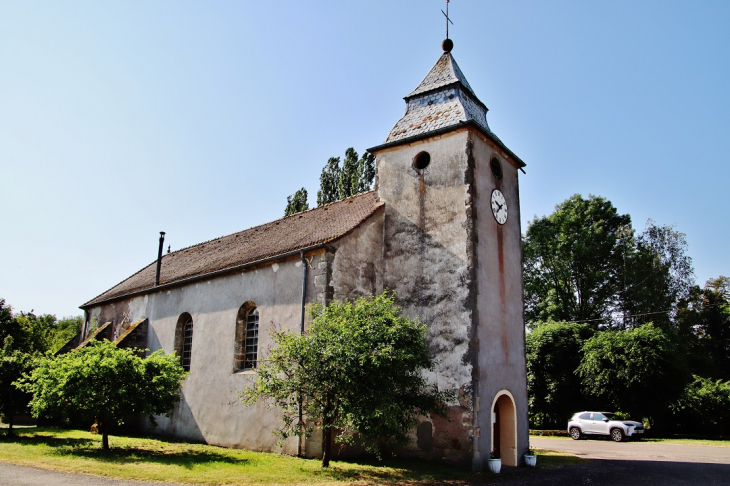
column 495, row 465
column 531, row 461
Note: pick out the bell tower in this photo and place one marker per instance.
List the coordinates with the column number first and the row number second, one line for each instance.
column 452, row 254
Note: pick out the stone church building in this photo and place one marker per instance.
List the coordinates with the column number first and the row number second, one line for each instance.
column 441, row 228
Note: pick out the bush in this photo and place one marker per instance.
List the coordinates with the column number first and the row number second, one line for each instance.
column 704, row 407
column 103, row 383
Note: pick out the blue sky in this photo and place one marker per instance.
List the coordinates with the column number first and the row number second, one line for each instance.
column 119, row 119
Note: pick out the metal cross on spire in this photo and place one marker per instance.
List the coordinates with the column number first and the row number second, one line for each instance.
column 448, row 20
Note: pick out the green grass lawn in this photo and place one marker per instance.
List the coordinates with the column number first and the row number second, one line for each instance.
column 151, row 459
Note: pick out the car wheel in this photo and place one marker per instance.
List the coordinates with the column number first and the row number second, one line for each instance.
column 617, row 435
column 575, row 433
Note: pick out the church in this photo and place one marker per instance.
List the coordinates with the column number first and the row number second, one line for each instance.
column 441, row 229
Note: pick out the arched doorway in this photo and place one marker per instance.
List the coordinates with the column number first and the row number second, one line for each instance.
column 504, row 427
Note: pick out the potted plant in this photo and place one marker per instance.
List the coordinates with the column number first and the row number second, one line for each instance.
column 494, row 462
column 530, row 458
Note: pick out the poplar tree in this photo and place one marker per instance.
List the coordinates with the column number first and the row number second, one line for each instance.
column 329, row 182
column 297, row 202
column 341, row 178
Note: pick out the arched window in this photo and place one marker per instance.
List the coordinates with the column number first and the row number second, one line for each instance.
column 247, row 337
column 184, row 339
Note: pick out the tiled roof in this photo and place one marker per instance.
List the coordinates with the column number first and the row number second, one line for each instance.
column 442, row 101
column 292, row 233
column 129, row 330
column 94, row 333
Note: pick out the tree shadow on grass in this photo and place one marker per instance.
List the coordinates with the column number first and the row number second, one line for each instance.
column 48, row 440
column 188, row 455
column 130, row 455
column 91, row 449
column 399, row 471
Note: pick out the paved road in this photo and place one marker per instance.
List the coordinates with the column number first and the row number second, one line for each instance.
column 635, row 451
column 626, row 464
column 12, row 475
column 600, row 472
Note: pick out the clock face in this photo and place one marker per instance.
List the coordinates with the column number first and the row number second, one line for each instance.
column 499, row 206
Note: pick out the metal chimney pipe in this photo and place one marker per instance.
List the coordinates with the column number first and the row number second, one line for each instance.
column 159, row 258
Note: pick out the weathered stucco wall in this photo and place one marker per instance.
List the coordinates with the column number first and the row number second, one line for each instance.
column 500, row 326
column 209, row 409
column 427, row 260
column 357, row 268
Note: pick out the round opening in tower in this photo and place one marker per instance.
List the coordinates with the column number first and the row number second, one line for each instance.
column 422, row 160
column 496, row 169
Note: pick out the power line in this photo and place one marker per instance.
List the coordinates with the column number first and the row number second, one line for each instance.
column 643, row 314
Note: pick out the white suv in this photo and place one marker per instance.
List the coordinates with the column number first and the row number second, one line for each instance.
column 603, row 423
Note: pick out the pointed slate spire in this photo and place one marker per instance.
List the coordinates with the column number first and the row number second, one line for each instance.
column 443, row 101
column 444, row 73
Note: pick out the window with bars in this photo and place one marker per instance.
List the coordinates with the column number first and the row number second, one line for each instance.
column 247, row 337
column 187, row 344
column 252, row 339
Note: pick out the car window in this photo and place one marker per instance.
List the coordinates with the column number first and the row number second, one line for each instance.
column 585, row 416
column 598, row 416
column 609, row 416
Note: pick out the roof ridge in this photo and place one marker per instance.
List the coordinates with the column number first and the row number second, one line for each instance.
column 268, row 222
column 322, row 206
column 316, row 226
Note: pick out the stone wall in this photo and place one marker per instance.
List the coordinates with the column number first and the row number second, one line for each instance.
column 428, row 262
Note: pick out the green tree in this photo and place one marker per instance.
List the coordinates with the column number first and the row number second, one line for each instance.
column 640, row 371
column 573, row 260
column 704, row 325
column 658, row 276
column 358, row 368
column 344, row 178
column 704, row 407
column 365, row 173
column 104, row 383
column 28, row 332
column 329, row 181
column 13, row 365
column 347, row 185
column 554, row 352
column 297, row 202
column 22, row 337
column 63, row 331
column 7, row 326
column 36, row 334
column 11, row 334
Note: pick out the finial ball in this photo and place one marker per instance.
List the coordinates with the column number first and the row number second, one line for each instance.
column 447, row 45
